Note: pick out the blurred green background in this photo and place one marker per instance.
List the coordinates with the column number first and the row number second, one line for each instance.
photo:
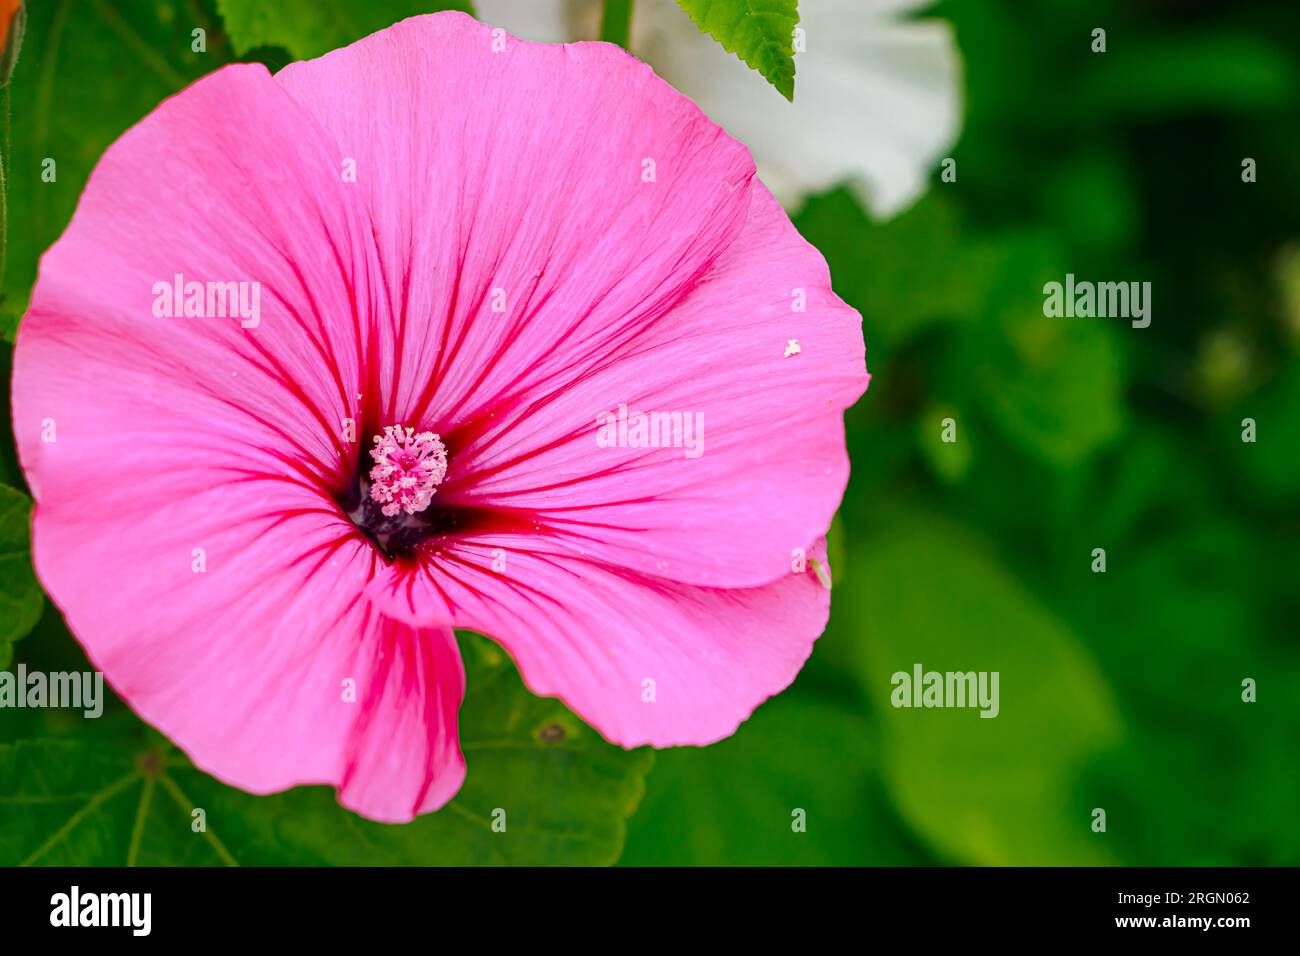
column 1120, row 691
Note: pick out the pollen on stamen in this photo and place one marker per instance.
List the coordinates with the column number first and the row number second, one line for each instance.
column 408, row 469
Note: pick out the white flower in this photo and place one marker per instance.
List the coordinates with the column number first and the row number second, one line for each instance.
column 877, row 96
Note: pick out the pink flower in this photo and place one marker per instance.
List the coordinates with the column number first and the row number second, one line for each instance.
column 317, row 373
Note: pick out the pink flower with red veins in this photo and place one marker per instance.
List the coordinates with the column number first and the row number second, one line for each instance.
column 419, row 335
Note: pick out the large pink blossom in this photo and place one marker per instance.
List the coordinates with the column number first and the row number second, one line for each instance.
column 467, row 248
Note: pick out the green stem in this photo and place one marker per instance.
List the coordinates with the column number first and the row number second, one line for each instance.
column 616, row 23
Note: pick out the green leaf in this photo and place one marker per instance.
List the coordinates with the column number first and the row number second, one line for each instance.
column 736, row 803
column 566, row 794
column 1268, row 467
column 1179, row 72
column 1007, row 790
column 308, row 28
column 905, row 276
column 1214, row 623
column 21, row 599
column 1052, row 386
column 760, row 32
column 949, row 461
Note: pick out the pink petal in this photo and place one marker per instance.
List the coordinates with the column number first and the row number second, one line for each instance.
column 674, row 295
column 774, row 465
column 175, row 434
column 476, row 171
column 592, row 634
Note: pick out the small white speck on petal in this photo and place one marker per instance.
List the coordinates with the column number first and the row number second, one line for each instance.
column 792, row 348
